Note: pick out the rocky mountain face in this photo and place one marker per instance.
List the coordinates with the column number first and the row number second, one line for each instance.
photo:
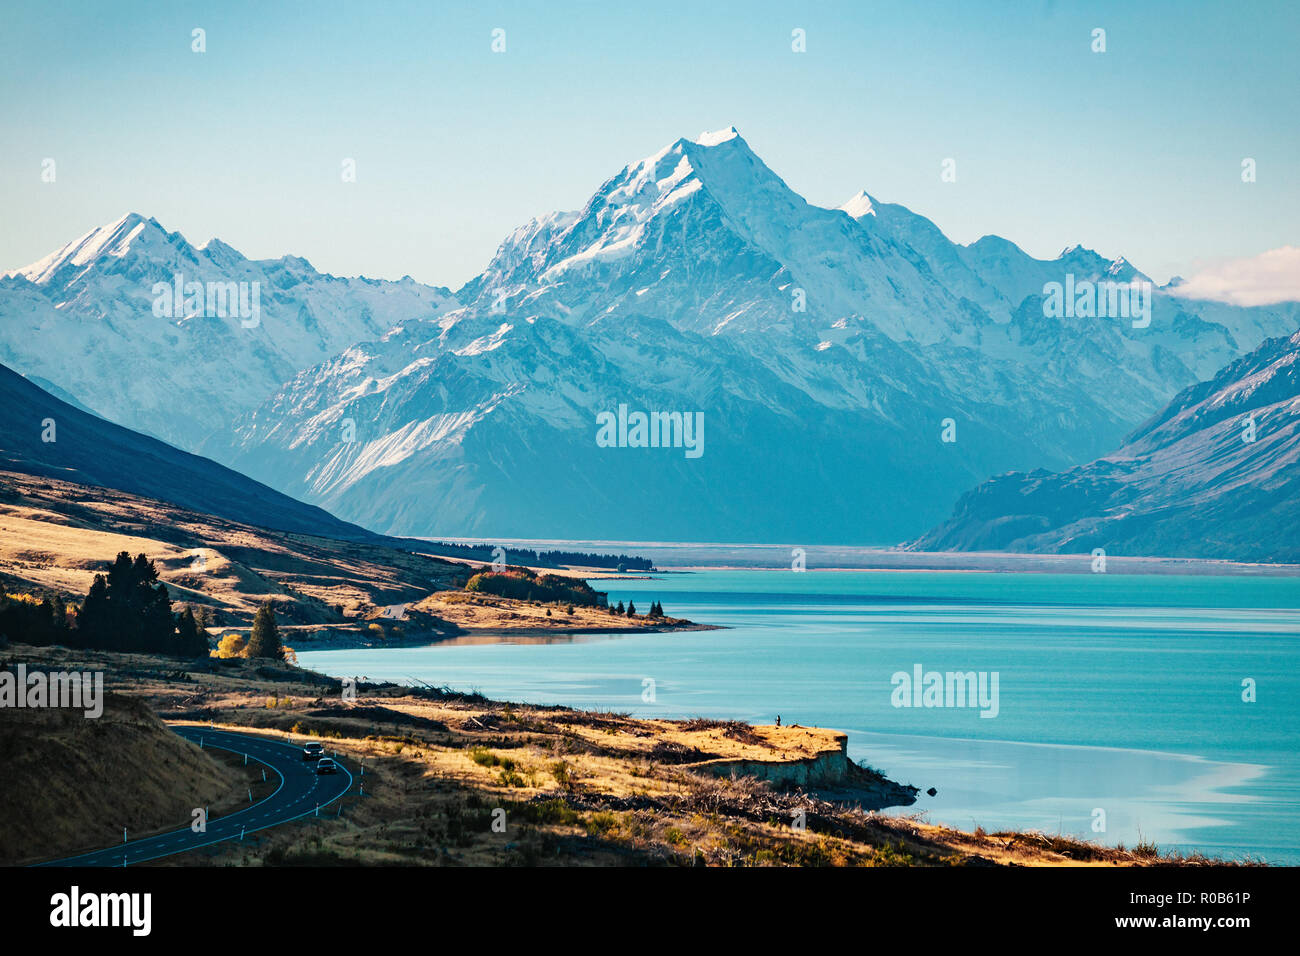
column 1214, row 474
column 853, row 370
column 99, row 322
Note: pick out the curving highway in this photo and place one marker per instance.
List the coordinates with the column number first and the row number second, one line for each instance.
column 300, row 792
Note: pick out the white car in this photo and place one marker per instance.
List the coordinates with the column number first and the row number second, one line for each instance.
column 326, row 765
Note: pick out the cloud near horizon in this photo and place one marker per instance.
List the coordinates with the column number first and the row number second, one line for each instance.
column 1266, row 279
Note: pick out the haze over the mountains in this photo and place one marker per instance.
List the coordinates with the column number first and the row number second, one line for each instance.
column 43, row 435
column 1214, row 474
column 825, row 348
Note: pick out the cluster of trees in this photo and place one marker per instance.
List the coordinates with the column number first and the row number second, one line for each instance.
column 127, row 609
column 525, row 585
column 656, row 609
column 27, row 620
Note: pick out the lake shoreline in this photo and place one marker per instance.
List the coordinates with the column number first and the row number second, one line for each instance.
column 346, row 639
column 583, row 786
column 820, row 649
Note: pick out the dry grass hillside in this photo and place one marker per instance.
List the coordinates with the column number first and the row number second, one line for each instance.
column 70, row 784
column 56, row 535
column 570, row 787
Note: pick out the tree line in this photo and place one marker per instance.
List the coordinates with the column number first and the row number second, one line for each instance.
column 539, row 559
column 126, row 609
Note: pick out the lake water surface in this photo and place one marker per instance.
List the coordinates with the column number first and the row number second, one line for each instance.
column 1118, row 694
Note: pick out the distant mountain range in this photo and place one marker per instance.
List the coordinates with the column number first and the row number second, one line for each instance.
column 46, row 437
column 82, row 322
column 827, row 352
column 1215, row 474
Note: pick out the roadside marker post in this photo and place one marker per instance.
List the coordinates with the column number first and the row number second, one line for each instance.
column 241, row 832
column 123, row 834
column 250, row 794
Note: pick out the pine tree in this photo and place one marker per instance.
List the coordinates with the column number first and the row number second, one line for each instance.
column 128, row 609
column 265, row 639
column 619, row 609
column 631, row 609
column 191, row 642
column 93, row 624
column 60, row 608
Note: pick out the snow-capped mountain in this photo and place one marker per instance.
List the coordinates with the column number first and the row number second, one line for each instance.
column 1214, row 474
column 825, row 348
column 98, row 323
column 827, row 352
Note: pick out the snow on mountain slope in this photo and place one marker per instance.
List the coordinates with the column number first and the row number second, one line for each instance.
column 84, row 319
column 1216, row 474
column 88, row 450
column 824, row 347
column 705, row 234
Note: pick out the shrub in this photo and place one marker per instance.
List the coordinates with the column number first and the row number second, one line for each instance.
column 601, row 822
column 549, row 811
column 511, row 779
column 231, row 645
column 486, row 758
column 560, row 771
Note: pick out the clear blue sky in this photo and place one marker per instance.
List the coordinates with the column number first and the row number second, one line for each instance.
column 1133, row 152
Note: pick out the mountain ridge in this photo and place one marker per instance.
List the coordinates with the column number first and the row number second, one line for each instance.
column 1212, row 475
column 42, row 435
column 96, row 301
column 830, row 348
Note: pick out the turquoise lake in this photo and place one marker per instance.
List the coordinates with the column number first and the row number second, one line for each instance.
column 1119, row 695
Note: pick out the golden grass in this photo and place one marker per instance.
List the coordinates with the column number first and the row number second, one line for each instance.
column 575, row 788
column 57, row 535
column 71, row 784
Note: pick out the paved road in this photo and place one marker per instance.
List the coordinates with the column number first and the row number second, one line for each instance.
column 300, row 791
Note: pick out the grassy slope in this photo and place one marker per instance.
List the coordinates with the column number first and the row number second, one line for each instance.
column 57, row 534
column 72, row 784
column 577, row 788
